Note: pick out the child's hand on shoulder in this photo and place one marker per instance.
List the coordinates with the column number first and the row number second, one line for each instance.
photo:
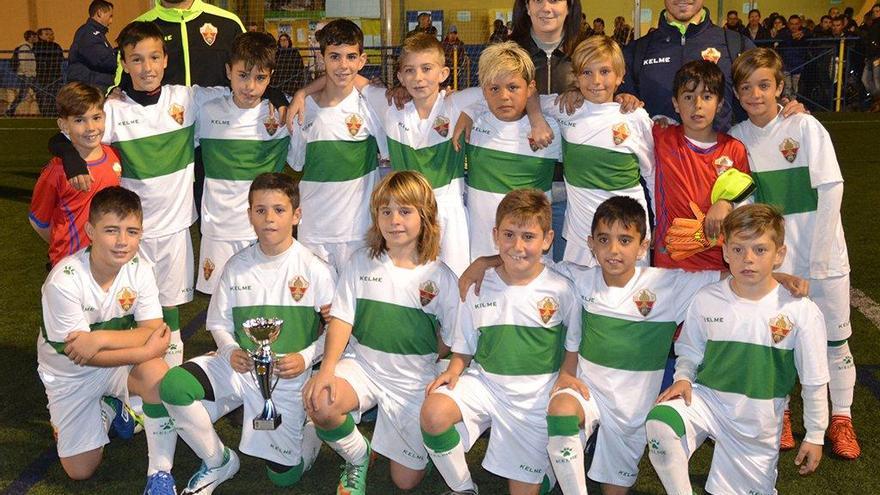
column 81, row 183
column 798, row 287
column 628, row 103
column 462, row 127
column 570, row 100
column 241, row 361
column 808, row 458
column 793, row 107
column 290, row 366
column 398, row 95
column 566, row 380
column 680, row 389
column 447, row 378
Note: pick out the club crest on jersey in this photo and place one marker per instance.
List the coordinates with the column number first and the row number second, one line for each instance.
column 209, row 33
column 428, row 290
column 722, row 164
column 619, row 132
column 354, row 122
column 177, row 112
column 789, row 149
column 547, row 308
column 645, row 300
column 208, row 268
column 126, row 298
column 780, row 327
column 711, row 55
column 271, row 123
column 298, row 287
column 441, row 125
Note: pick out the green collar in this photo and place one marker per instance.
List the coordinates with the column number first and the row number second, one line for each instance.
column 683, row 26
column 177, row 15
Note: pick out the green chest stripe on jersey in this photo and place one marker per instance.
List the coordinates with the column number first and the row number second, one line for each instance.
column 395, row 329
column 122, row 323
column 339, row 161
column 789, row 189
column 156, row 156
column 243, row 159
column 756, row 371
column 300, row 327
column 624, row 344
column 440, row 164
column 501, row 172
column 592, row 167
column 520, row 350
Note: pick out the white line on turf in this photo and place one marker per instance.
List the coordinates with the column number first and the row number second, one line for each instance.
column 865, row 305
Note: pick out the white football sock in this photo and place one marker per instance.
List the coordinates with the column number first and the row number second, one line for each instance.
column 843, row 379
column 451, row 463
column 195, row 428
column 161, row 440
column 567, row 460
column 668, row 455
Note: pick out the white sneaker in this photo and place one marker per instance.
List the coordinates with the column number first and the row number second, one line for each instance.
column 206, row 480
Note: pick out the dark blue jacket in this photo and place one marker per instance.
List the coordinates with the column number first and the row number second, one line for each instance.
column 92, row 60
column 665, row 51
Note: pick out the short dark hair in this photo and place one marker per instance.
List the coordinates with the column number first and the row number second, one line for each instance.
column 117, row 200
column 275, row 181
column 691, row 74
column 43, row 29
column 29, row 33
column 598, row 19
column 733, row 12
column 255, row 49
column 824, row 17
column 838, row 18
column 755, row 11
column 99, row 6
column 76, row 98
column 623, row 209
column 794, row 16
column 137, row 31
column 340, row 32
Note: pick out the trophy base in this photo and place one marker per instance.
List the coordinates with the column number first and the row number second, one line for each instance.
column 262, row 424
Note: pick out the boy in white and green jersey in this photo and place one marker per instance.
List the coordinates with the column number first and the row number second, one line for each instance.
column 337, row 148
column 275, row 278
column 396, row 306
column 514, row 346
column 605, row 152
column 500, row 156
column 744, row 343
column 796, row 170
column 241, row 135
column 153, row 127
column 103, row 336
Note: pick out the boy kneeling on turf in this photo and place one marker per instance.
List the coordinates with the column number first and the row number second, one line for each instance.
column 275, row 278
column 103, row 335
column 744, row 342
column 520, row 321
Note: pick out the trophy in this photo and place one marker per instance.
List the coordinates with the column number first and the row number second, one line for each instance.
column 263, row 332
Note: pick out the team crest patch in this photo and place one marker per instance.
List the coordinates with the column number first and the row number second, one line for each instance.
column 271, row 123
column 645, row 300
column 126, row 298
column 208, row 268
column 780, row 327
column 209, row 33
column 711, row 55
column 789, row 149
column 547, row 308
column 177, row 112
column 722, row 164
column 117, row 169
column 441, row 125
column 428, row 290
column 298, row 287
column 354, row 122
column 619, row 132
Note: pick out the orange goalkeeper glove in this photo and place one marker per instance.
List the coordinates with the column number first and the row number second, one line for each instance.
column 686, row 237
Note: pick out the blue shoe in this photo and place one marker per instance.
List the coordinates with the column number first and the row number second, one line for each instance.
column 160, row 483
column 123, row 422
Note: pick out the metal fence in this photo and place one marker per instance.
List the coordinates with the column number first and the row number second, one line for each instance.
column 825, row 74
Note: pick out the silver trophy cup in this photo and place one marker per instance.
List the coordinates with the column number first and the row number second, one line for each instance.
column 263, row 332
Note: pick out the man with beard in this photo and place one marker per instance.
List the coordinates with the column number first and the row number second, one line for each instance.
column 49, row 57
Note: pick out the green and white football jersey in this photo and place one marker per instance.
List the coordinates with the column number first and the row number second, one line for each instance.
column 500, row 159
column 156, row 145
column 627, row 332
column 748, row 354
column 518, row 335
column 337, row 149
column 790, row 158
column 604, row 154
column 73, row 301
column 237, row 145
column 291, row 286
column 396, row 314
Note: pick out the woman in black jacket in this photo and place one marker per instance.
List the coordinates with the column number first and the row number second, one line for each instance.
column 290, row 70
